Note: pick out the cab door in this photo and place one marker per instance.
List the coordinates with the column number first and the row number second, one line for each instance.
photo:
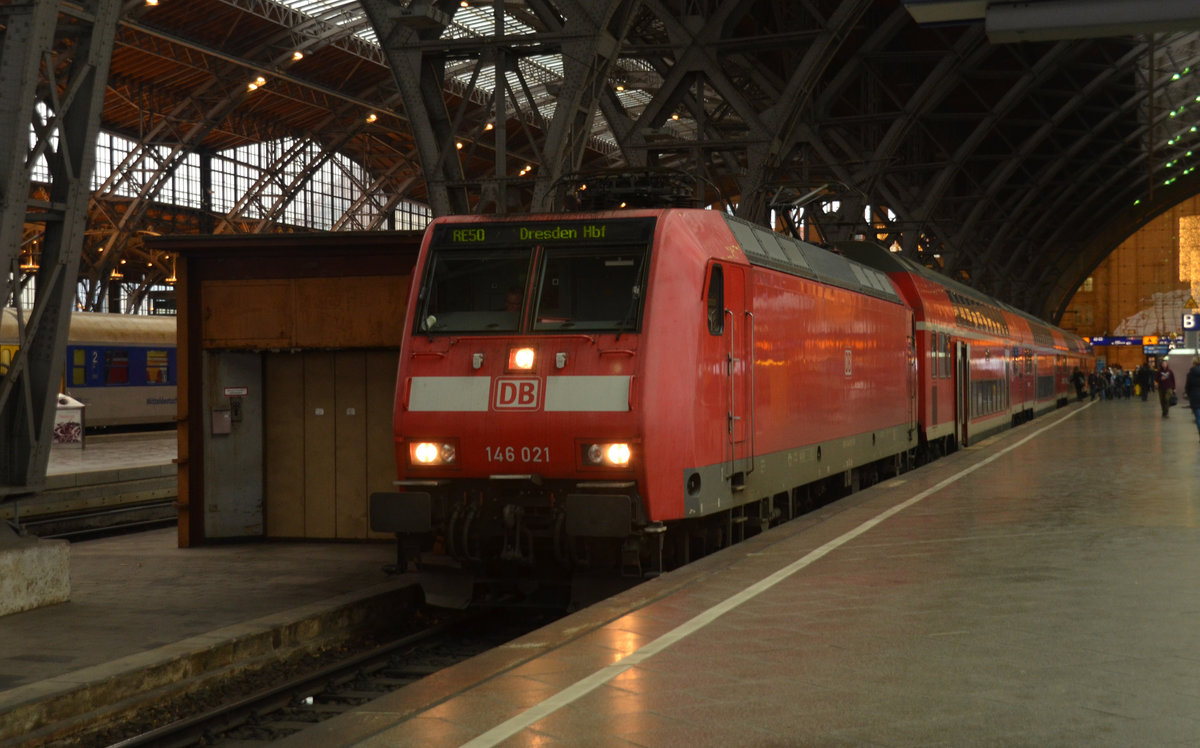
column 729, row 317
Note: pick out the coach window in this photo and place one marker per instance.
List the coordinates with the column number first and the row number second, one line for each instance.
column 78, row 367
column 156, row 367
column 116, row 367
column 716, row 301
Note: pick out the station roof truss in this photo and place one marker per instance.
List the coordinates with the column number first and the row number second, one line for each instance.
column 1013, row 167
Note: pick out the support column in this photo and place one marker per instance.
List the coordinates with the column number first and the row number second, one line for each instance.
column 56, row 91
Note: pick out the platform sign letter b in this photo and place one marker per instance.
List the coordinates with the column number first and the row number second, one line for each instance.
column 1191, row 321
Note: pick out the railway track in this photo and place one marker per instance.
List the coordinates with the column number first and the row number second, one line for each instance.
column 78, row 505
column 301, row 700
column 89, row 523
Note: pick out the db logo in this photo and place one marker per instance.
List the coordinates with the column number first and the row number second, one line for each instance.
column 517, row 394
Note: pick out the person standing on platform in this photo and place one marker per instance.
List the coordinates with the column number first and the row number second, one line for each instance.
column 1145, row 380
column 1079, row 381
column 1191, row 388
column 1166, row 387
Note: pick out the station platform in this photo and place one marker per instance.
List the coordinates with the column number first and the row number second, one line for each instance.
column 1038, row 588
column 146, row 615
column 115, row 451
column 111, row 470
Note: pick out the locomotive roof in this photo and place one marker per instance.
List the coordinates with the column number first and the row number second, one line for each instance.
column 780, row 252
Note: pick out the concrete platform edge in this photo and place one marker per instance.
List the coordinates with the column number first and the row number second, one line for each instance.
column 36, row 713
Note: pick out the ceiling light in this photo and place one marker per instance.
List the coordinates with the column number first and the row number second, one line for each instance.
column 297, row 56
column 372, row 117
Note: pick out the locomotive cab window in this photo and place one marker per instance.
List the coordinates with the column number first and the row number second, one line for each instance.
column 474, row 291
column 584, row 289
column 716, row 301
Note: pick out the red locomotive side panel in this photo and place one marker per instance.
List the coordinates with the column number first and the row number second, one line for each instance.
column 788, row 366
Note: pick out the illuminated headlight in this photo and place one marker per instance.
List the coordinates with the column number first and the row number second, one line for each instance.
column 520, row 359
column 608, row 455
column 431, row 453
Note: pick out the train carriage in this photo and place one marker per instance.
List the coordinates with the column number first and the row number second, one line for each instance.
column 122, row 367
column 983, row 366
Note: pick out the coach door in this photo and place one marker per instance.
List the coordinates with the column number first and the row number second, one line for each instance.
column 962, row 391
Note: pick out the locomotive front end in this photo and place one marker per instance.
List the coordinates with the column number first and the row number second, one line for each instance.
column 518, row 443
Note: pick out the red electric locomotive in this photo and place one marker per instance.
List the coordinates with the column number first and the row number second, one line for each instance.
column 983, row 365
column 616, row 393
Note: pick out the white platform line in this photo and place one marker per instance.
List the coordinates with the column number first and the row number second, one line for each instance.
column 508, row 729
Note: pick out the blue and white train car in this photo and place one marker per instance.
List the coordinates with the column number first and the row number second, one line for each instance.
column 122, row 367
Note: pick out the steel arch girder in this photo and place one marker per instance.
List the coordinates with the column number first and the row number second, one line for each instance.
column 422, row 95
column 1060, row 286
column 586, row 66
column 1115, row 196
column 1041, row 187
column 786, row 123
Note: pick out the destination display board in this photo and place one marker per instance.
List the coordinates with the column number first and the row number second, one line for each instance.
column 591, row 232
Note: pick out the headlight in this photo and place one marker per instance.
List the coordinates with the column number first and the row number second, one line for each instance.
column 520, row 359
column 615, row 454
column 431, row 453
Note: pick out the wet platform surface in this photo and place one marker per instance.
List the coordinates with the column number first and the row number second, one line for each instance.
column 1039, row 588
